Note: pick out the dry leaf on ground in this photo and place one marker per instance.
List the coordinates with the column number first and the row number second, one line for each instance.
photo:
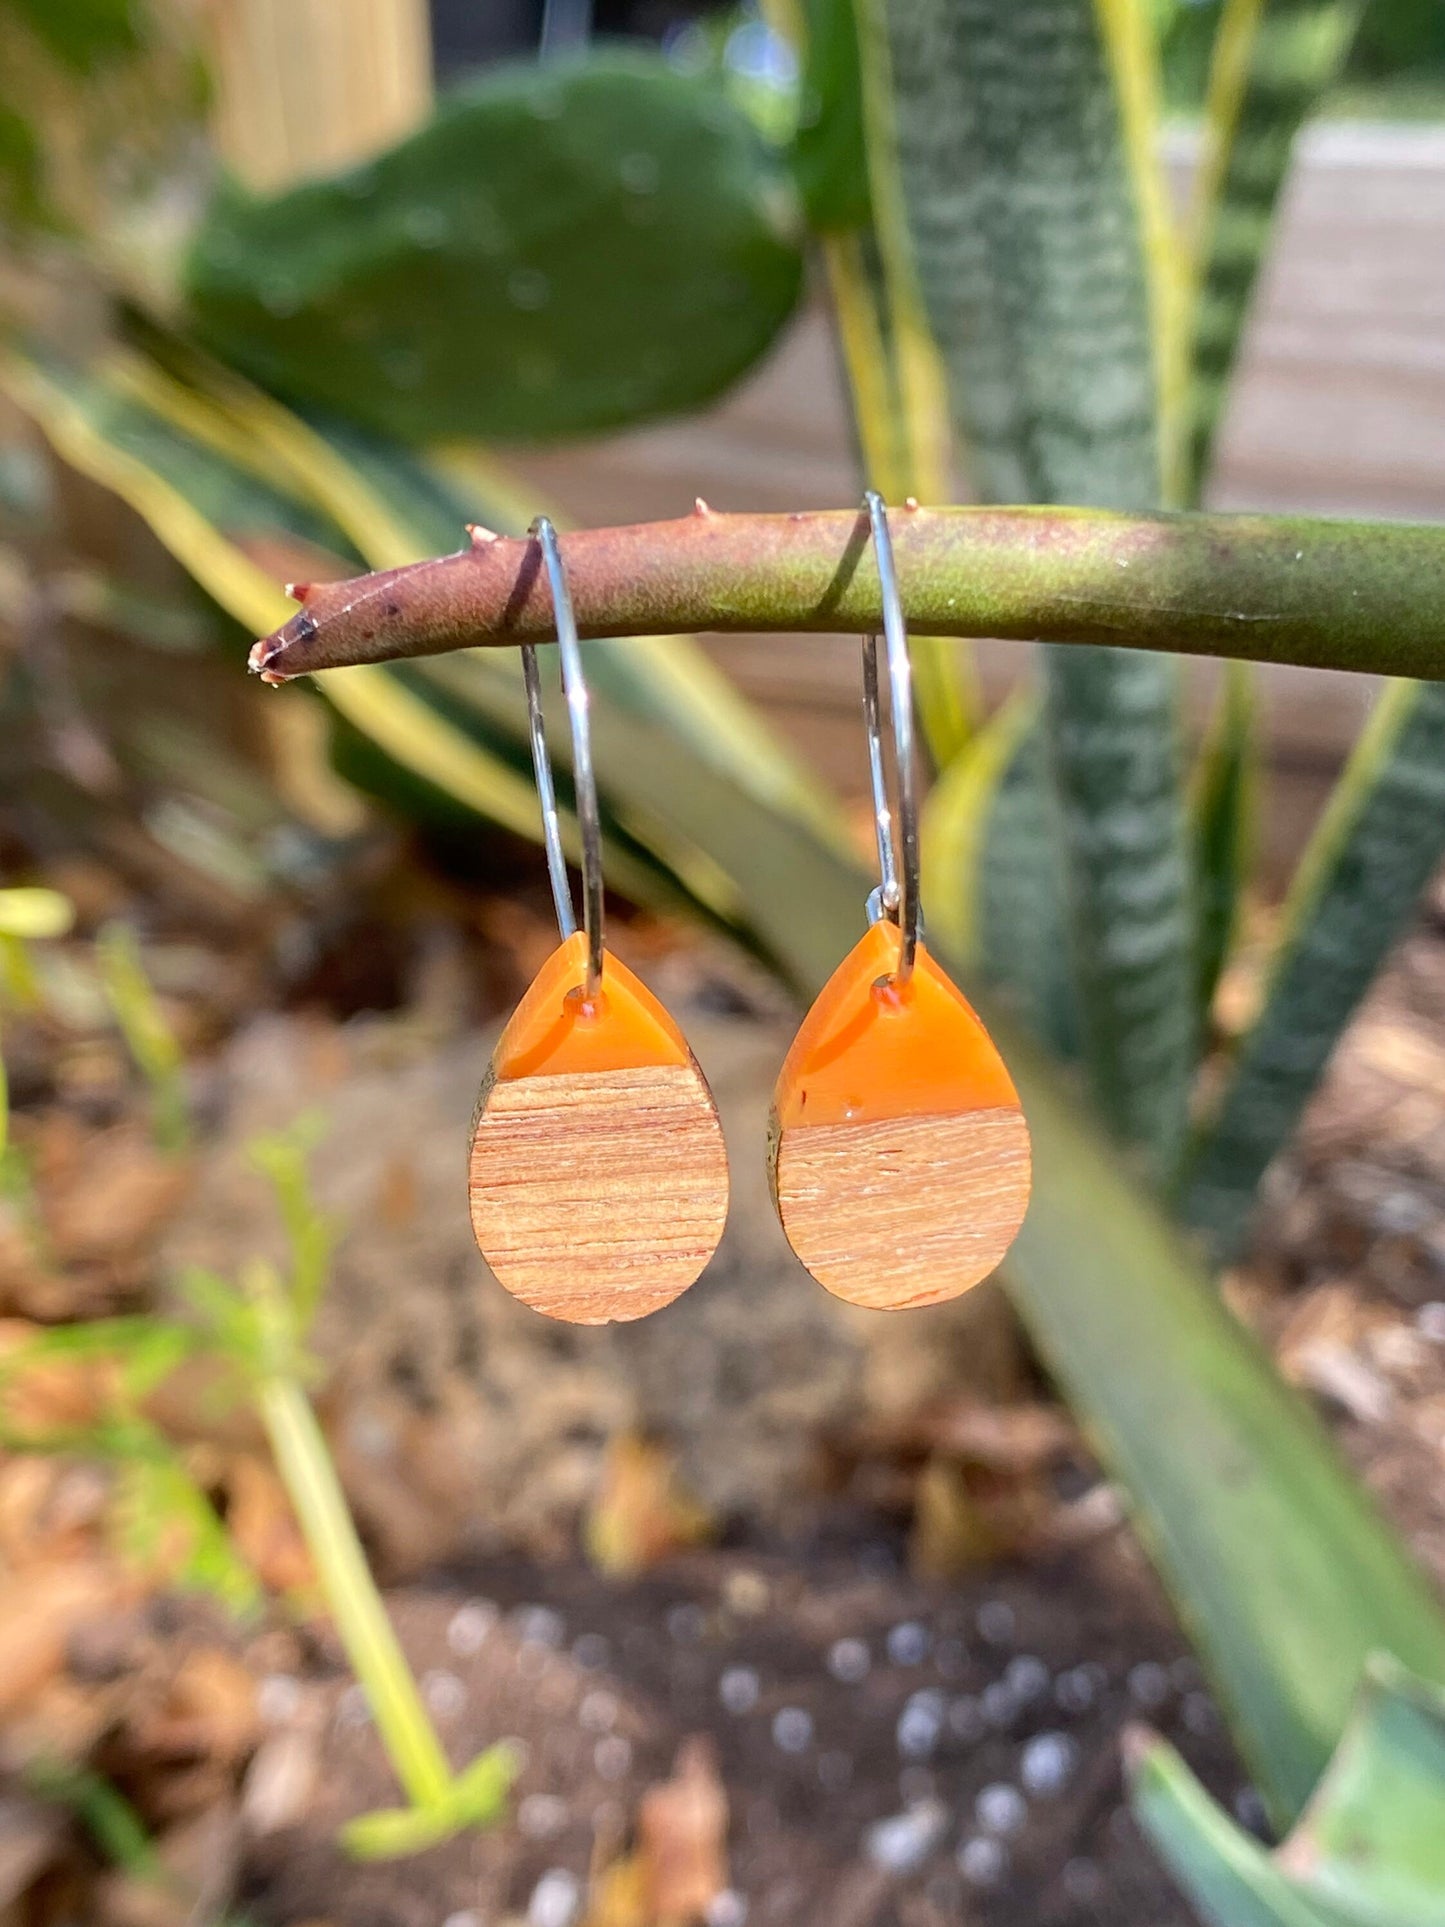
column 641, row 1512
column 682, row 1828
column 39, row 1611
column 262, row 1525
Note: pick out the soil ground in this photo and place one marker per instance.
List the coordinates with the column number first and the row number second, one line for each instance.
column 893, row 1748
column 965, row 1686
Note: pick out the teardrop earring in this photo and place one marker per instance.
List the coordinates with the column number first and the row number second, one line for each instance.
column 898, row 1150
column 598, row 1179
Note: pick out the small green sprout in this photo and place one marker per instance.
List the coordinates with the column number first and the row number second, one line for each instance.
column 258, row 1326
column 148, row 1036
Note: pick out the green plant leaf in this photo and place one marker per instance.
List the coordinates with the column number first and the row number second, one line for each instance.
column 691, row 781
column 829, row 155
column 993, row 867
column 1035, row 216
column 1226, row 1873
column 395, row 1833
column 554, row 253
column 153, row 1487
column 1113, row 742
column 232, row 1329
column 667, row 682
column 780, row 885
column 146, row 1351
column 84, row 35
column 1285, row 1576
column 1369, row 1849
column 1023, row 229
column 1353, row 894
column 1273, row 61
column 1372, row 1840
column 1224, row 801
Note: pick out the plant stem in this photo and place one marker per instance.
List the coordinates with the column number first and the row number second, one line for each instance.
column 1341, row 595
column 304, row 1462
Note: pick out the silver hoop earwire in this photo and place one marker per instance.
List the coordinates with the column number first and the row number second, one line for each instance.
column 584, row 779
column 897, row 896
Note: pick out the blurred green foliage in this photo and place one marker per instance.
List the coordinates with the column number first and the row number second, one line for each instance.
column 85, row 35
column 554, row 253
column 1369, row 1850
column 1396, row 65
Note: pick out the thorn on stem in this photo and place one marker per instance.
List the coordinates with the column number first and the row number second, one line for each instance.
column 298, row 591
column 699, row 507
column 479, row 535
column 911, row 503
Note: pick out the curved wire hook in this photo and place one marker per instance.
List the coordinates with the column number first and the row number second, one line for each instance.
column 584, row 778
column 897, row 896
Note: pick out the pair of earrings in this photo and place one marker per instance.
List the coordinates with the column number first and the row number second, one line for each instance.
column 898, row 1151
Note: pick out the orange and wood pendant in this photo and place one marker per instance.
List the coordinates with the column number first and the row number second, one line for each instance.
column 598, row 1178
column 898, row 1150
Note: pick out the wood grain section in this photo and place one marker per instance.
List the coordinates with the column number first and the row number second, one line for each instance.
column 904, row 1211
column 598, row 1196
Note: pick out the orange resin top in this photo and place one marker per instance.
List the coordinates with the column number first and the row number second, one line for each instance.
column 867, row 1051
column 554, row 1031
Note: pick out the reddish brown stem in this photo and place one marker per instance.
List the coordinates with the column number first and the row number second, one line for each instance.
column 1345, row 595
